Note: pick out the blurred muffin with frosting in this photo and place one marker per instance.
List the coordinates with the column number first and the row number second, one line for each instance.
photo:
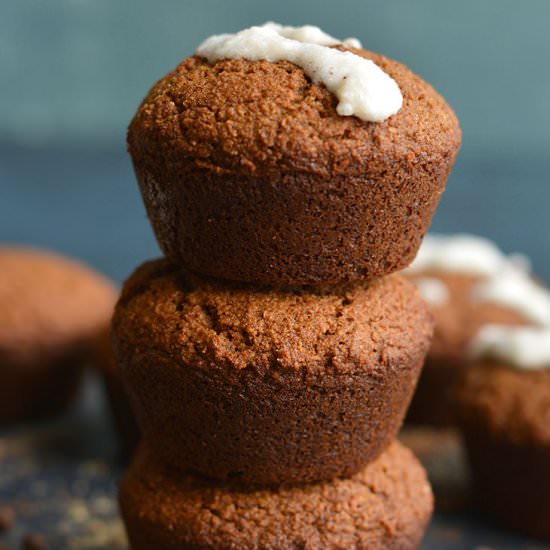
column 470, row 285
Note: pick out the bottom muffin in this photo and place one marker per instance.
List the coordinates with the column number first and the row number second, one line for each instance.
column 505, row 420
column 386, row 505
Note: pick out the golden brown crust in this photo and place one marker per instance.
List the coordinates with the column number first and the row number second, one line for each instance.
column 213, row 324
column 258, row 117
column 248, row 172
column 268, row 385
column 386, row 505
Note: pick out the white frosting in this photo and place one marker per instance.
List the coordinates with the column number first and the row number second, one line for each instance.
column 521, row 347
column 460, row 253
column 363, row 89
column 515, row 289
column 433, row 290
column 520, row 261
column 311, row 35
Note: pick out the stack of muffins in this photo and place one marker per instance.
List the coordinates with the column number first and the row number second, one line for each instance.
column 271, row 356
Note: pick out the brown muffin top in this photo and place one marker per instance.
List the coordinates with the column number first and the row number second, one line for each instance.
column 48, row 304
column 224, row 325
column 386, row 505
column 512, row 403
column 459, row 319
column 257, row 117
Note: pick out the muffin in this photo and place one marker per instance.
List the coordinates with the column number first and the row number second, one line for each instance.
column 122, row 415
column 248, row 172
column 268, row 385
column 468, row 283
column 504, row 416
column 387, row 504
column 51, row 309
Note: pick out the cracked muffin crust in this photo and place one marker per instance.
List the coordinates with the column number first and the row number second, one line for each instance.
column 51, row 309
column 268, row 385
column 248, row 172
column 387, row 504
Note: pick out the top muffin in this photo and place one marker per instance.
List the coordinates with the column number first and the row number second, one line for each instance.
column 249, row 173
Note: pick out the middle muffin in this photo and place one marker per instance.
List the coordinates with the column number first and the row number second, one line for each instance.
column 268, row 385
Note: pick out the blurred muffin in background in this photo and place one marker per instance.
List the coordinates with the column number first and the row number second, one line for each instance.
column 51, row 311
column 504, row 415
column 469, row 283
